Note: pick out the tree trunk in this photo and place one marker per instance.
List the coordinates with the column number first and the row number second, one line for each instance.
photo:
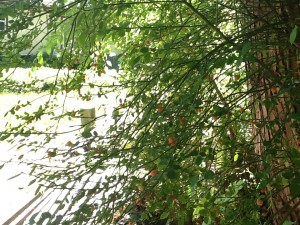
column 274, row 74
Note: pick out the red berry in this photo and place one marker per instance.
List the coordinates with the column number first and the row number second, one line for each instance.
column 181, row 120
column 259, row 202
column 153, row 173
column 172, row 141
column 160, row 108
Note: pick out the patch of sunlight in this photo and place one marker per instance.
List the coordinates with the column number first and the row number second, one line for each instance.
column 15, row 193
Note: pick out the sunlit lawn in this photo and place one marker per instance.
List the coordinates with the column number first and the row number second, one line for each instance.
column 15, row 193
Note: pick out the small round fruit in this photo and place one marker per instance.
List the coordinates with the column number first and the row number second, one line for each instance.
column 261, row 168
column 139, row 202
column 181, row 120
column 69, row 144
column 50, row 154
column 153, row 173
column 274, row 90
column 172, row 141
column 242, row 110
column 263, row 190
column 174, row 198
column 160, row 108
column 141, row 188
column 183, row 30
column 259, row 202
column 252, row 168
column 237, row 78
column 215, row 210
column 214, row 118
column 277, row 74
column 147, row 42
column 186, row 50
column 211, row 78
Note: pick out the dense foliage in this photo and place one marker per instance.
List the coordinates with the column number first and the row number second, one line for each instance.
column 182, row 147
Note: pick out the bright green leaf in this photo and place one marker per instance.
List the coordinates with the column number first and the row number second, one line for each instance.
column 293, row 35
column 82, row 38
column 86, row 133
column 236, row 156
column 164, row 215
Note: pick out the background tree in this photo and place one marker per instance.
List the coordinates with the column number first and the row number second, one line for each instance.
column 207, row 132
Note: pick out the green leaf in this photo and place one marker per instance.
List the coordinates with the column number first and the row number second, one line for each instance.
column 4, row 137
column 136, row 60
column 80, row 17
column 15, row 176
column 293, row 35
column 144, row 50
column 220, row 62
column 86, row 133
column 82, row 38
column 40, row 58
column 48, row 49
column 249, row 221
column 236, row 157
column 219, row 111
column 1, row 166
column 181, row 220
column 208, row 175
column 198, row 160
column 197, row 210
column 171, row 174
column 44, row 216
column 164, row 215
column 193, row 181
column 37, row 190
column 32, row 170
column 294, row 153
column 26, row 133
column 32, row 218
column 295, row 189
column 31, row 182
column 288, row 223
column 288, row 174
column 245, row 49
column 121, row 32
